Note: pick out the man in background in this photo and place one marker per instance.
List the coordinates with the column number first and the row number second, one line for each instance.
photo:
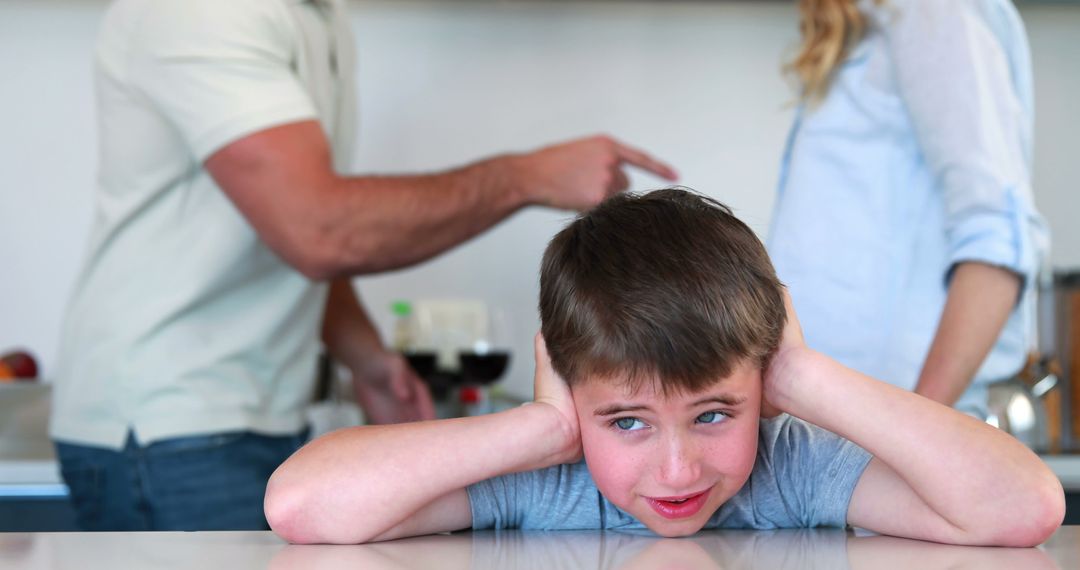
column 225, row 234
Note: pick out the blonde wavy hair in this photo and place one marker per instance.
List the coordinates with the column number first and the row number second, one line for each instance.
column 829, row 29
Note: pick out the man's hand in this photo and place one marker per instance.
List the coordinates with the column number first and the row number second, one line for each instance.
column 578, row 175
column 390, row 392
column 549, row 389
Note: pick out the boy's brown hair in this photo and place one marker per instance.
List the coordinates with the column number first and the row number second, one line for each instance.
column 667, row 284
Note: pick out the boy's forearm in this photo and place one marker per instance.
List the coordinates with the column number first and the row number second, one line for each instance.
column 355, row 484
column 952, row 461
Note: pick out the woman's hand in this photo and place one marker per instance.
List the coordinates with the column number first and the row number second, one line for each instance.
column 550, row 390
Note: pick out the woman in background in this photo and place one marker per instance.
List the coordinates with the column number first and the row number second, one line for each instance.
column 905, row 226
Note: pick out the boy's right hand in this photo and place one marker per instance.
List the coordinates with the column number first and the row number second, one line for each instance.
column 551, row 391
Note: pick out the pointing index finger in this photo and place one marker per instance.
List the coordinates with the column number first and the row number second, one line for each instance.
column 643, row 160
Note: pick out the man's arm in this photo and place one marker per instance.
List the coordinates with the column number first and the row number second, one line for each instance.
column 327, row 225
column 385, row 386
column 936, row 474
column 382, row 482
column 980, row 299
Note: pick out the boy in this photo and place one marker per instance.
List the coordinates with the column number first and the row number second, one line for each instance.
column 664, row 316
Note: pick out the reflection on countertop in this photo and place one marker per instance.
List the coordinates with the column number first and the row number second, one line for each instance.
column 807, row 548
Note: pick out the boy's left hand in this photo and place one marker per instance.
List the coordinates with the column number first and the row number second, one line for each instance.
column 792, row 336
column 791, row 344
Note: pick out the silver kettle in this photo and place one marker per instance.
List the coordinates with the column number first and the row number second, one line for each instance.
column 1016, row 405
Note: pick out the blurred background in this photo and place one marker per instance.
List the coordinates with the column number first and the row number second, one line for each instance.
column 443, row 82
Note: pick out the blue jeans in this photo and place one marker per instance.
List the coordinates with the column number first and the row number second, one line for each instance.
column 213, row 482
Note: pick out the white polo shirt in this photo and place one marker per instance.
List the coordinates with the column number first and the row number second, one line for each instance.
column 182, row 321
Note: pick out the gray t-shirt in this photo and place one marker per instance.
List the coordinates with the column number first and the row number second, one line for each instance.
column 803, row 477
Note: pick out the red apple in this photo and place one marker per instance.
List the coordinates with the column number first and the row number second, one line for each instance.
column 21, row 363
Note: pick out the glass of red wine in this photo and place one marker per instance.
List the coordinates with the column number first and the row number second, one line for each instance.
column 482, row 368
column 423, row 362
column 486, row 361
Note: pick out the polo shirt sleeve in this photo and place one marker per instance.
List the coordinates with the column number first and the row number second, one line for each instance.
column 964, row 78
column 219, row 70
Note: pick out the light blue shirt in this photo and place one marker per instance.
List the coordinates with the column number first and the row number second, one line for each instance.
column 918, row 158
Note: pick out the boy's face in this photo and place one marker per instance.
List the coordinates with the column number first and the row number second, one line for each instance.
column 670, row 462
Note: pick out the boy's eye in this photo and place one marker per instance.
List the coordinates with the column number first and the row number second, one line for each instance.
column 711, row 418
column 629, row 424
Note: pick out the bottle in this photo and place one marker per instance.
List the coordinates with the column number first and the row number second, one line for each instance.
column 404, row 327
column 407, row 341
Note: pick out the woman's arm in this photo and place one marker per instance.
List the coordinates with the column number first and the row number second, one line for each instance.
column 963, row 73
column 979, row 302
column 937, row 474
column 381, row 482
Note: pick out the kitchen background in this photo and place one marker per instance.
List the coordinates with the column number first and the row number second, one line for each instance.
column 445, row 82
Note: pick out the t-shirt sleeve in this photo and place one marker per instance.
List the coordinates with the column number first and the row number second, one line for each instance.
column 562, row 497
column 218, row 70
column 501, row 502
column 813, row 471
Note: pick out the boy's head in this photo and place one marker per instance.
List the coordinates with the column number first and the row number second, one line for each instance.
column 667, row 285
column 660, row 310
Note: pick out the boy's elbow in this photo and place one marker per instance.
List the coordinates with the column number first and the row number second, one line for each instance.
column 1048, row 514
column 1039, row 518
column 286, row 508
column 283, row 508
column 288, row 512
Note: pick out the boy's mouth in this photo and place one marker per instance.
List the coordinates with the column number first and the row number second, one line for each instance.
column 679, row 507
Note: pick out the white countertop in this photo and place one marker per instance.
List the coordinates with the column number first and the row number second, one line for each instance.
column 796, row 549
column 31, row 478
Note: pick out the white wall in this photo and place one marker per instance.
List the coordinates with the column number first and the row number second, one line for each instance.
column 1054, row 33
column 442, row 83
column 47, row 166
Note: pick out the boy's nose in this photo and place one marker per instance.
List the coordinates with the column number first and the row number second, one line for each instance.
column 680, row 468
